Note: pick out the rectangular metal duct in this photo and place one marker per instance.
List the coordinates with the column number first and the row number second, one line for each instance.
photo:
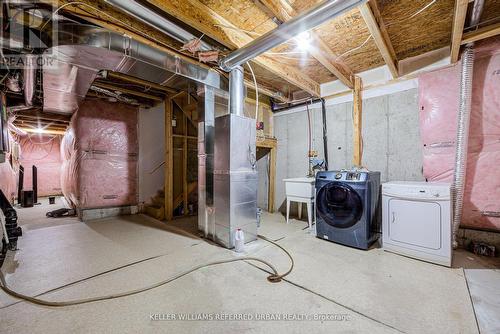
column 235, row 179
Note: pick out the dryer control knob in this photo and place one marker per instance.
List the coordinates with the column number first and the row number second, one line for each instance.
column 338, row 176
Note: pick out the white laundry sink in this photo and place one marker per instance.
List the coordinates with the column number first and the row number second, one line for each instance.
column 300, row 187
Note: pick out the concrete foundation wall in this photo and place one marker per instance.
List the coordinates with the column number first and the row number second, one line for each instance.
column 391, row 138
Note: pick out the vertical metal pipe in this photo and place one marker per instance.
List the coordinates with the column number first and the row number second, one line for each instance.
column 325, row 132
column 236, row 91
column 462, row 138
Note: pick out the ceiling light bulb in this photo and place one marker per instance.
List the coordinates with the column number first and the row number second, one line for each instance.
column 303, row 40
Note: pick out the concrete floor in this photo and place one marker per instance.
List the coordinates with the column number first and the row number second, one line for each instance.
column 369, row 291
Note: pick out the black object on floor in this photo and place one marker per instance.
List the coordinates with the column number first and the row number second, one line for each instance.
column 20, row 186
column 12, row 231
column 61, row 213
column 52, row 200
column 28, row 199
column 34, row 174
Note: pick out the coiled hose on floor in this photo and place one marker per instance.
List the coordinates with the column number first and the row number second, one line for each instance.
column 274, row 278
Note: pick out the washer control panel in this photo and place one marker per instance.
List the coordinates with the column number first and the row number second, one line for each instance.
column 353, row 176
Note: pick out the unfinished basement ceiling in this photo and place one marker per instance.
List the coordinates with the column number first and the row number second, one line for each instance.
column 413, row 28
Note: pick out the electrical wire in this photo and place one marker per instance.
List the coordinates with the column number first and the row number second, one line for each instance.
column 256, row 93
column 413, row 15
column 354, row 49
column 274, row 277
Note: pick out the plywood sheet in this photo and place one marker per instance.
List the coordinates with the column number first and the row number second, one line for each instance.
column 244, row 14
column 349, row 39
column 413, row 33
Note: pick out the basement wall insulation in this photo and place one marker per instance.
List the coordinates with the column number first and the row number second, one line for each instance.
column 8, row 179
column 43, row 151
column 99, row 153
column 439, row 102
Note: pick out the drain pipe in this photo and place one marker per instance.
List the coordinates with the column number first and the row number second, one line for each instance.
column 463, row 121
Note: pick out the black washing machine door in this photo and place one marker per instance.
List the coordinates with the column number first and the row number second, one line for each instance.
column 339, row 205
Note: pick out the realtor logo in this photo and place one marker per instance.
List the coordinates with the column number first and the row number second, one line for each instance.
column 28, row 27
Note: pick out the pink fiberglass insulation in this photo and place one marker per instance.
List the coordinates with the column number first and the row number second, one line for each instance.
column 42, row 151
column 8, row 179
column 99, row 153
column 439, row 102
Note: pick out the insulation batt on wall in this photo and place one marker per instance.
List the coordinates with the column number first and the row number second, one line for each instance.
column 439, row 103
column 43, row 151
column 8, row 177
column 99, row 153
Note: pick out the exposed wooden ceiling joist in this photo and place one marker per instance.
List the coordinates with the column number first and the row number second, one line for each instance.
column 320, row 50
column 113, row 87
column 482, row 33
column 206, row 20
column 375, row 25
column 459, row 16
column 43, row 116
column 147, row 36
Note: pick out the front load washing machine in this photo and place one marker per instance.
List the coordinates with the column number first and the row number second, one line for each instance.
column 347, row 207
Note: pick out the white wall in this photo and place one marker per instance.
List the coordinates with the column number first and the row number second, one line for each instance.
column 151, row 151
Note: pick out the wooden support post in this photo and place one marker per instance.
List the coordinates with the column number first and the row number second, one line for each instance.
column 169, row 159
column 185, row 166
column 357, row 122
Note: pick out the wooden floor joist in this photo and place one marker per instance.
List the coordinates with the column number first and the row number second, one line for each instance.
column 458, row 28
column 320, row 51
column 375, row 25
column 203, row 18
column 482, row 33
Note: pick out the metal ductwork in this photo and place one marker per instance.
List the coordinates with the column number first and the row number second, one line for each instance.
column 71, row 67
column 312, row 18
column 29, row 79
column 150, row 17
column 463, row 121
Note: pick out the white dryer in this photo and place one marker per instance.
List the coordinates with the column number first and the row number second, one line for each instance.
column 416, row 220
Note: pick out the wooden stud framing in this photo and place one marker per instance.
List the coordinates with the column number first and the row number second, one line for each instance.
column 272, row 145
column 169, row 160
column 482, row 33
column 321, row 52
column 381, row 38
column 185, row 165
column 357, row 122
column 458, row 28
